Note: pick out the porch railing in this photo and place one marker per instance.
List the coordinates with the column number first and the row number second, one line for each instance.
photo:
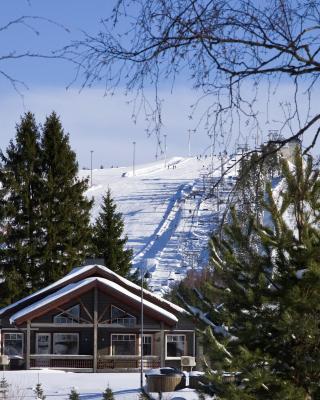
column 127, row 362
column 86, row 362
column 61, row 361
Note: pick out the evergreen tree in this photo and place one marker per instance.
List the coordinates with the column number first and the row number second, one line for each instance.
column 108, row 394
column 44, row 215
column 3, row 383
column 265, row 327
column 20, row 181
column 64, row 208
column 38, row 391
column 108, row 239
column 74, row 395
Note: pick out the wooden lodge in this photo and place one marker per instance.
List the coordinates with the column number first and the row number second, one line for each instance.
column 90, row 320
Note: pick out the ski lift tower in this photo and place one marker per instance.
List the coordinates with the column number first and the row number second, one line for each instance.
column 190, row 132
column 211, row 136
column 273, row 135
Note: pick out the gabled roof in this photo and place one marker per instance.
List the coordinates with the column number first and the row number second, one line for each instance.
column 75, row 289
column 80, row 273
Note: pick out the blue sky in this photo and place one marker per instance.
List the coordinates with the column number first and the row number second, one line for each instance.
column 94, row 122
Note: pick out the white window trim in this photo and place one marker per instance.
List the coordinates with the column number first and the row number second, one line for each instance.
column 66, row 316
column 184, row 348
column 127, row 333
column 10, row 333
column 146, row 335
column 37, row 343
column 129, row 317
column 64, row 333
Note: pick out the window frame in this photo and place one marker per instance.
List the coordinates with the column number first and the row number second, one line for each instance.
column 4, row 345
column 49, row 342
column 131, row 317
column 65, row 333
column 184, row 346
column 123, row 334
column 151, row 344
column 71, row 320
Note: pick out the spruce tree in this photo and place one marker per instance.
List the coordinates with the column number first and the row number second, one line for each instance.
column 108, row 394
column 265, row 327
column 39, row 393
column 65, row 212
column 44, row 214
column 109, row 240
column 74, row 395
column 21, row 188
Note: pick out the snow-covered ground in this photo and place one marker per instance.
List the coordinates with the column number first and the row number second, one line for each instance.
column 168, row 215
column 57, row 385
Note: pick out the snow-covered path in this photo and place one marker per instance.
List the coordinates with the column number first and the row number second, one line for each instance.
column 167, row 215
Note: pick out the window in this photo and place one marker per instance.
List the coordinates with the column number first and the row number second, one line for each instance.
column 123, row 345
column 175, row 346
column 65, row 343
column 121, row 317
column 13, row 344
column 147, row 345
column 43, row 343
column 70, row 316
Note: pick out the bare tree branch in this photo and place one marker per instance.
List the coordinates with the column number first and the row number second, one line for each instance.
column 221, row 47
column 28, row 22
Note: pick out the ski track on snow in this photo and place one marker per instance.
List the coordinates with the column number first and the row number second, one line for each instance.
column 168, row 216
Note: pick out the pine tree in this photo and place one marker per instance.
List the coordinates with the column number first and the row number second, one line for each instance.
column 108, row 394
column 38, row 391
column 74, row 395
column 4, row 388
column 64, row 208
column 108, row 239
column 20, row 180
column 265, row 327
column 44, row 215
column 4, row 383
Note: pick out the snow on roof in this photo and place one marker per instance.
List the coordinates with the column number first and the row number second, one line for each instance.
column 129, row 283
column 79, row 270
column 75, row 286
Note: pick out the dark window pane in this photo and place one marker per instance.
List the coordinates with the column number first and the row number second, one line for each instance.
column 13, row 344
column 147, row 349
column 124, row 348
column 66, row 343
column 70, row 316
column 175, row 345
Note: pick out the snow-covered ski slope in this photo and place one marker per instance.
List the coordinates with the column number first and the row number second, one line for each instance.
column 168, row 216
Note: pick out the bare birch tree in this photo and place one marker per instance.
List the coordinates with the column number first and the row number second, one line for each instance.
column 232, row 52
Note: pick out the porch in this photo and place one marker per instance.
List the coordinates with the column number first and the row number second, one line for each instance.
column 97, row 325
column 85, row 363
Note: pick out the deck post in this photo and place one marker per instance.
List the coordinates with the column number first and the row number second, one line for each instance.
column 28, row 345
column 95, row 330
column 194, row 343
column 162, row 345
